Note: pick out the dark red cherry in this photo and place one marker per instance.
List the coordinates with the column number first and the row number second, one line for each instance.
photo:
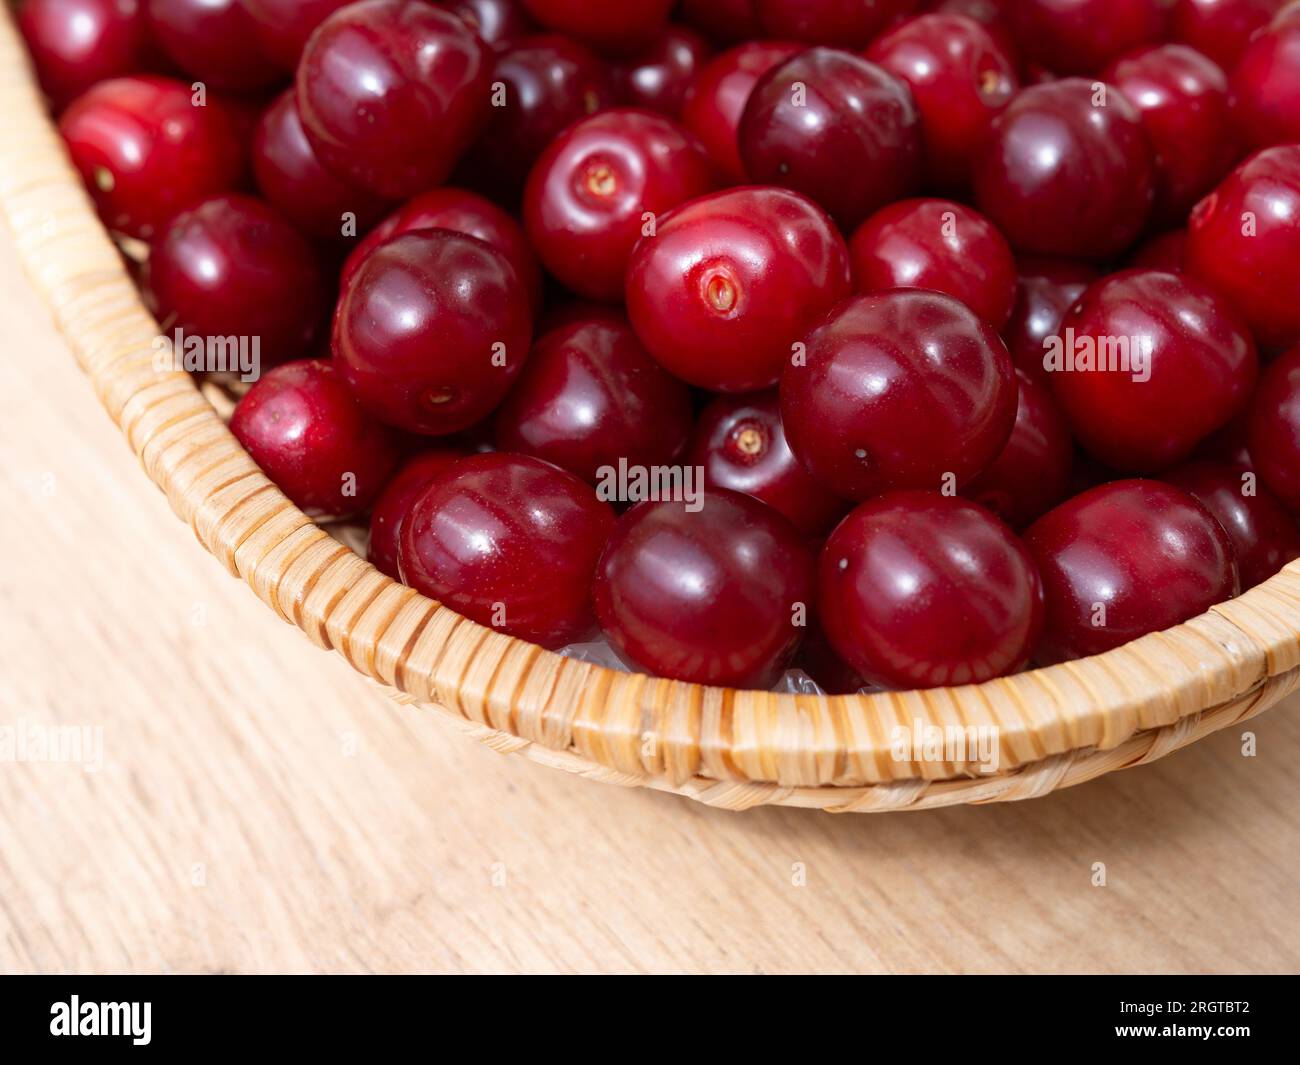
column 719, row 594
column 1244, row 241
column 716, row 99
column 589, row 398
column 825, row 115
column 545, row 84
column 1046, row 289
column 499, row 23
column 214, row 41
column 1266, row 86
column 740, row 444
column 937, row 245
column 1273, row 428
column 1264, row 536
column 1183, row 99
column 1228, row 445
column 731, row 282
column 461, row 211
column 991, row 14
column 1125, row 559
column 302, row 426
column 619, row 28
column 145, row 150
column 1220, row 28
column 842, row 23
column 901, row 389
column 918, row 590
column 293, row 180
column 1149, row 365
column 657, row 77
column 1034, row 470
column 283, row 26
column 1082, row 36
column 396, row 500
column 960, row 78
column 1062, row 174
column 432, row 330
column 602, row 184
column 511, row 542
column 76, row 43
column 1164, row 251
column 231, row 267
column 723, row 21
column 391, row 92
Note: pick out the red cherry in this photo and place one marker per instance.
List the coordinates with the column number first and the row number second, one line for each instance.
column 231, row 268
column 283, row 26
column 902, row 389
column 730, row 282
column 658, row 76
column 1244, row 240
column 1273, row 429
column 1046, row 289
column 740, row 444
column 1103, row 554
column 918, row 590
column 716, row 99
column 723, row 21
column 960, row 78
column 1183, row 99
column 826, row 114
column 1164, row 251
column 590, row 397
column 432, row 330
column 462, row 212
column 391, row 92
column 1082, row 36
column 991, row 14
column 843, row 23
column 145, row 150
column 499, row 23
column 715, row 596
column 608, row 27
column 1033, row 471
column 213, row 40
column 396, row 500
column 1220, row 28
column 1062, row 175
column 76, row 43
column 302, row 426
column 1264, row 536
column 511, row 542
column 1266, row 86
column 937, row 245
column 293, row 180
column 589, row 195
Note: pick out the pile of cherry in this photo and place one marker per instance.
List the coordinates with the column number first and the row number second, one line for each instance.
column 821, row 249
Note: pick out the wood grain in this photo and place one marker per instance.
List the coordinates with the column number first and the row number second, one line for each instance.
column 261, row 808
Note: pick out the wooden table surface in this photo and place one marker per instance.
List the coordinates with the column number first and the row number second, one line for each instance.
column 256, row 806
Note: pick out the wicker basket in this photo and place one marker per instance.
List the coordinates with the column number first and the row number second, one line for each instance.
column 735, row 749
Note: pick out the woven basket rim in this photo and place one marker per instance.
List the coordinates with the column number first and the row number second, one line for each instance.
column 1054, row 726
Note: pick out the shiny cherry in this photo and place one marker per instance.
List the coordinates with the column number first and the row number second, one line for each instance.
column 1183, row 99
column 1164, row 251
column 937, row 245
column 231, row 266
column 1082, row 36
column 293, row 180
column 1264, row 536
column 1266, row 86
column 511, row 542
column 431, row 331
column 1244, row 240
column 827, row 114
column 715, row 595
column 145, row 150
column 730, row 283
column 587, row 198
column 1034, row 470
column 76, row 43
column 283, row 26
column 300, row 424
column 214, row 41
column 918, row 590
column 1220, row 29
column 396, row 500
column 1045, row 290
column 901, row 389
column 1125, row 559
column 619, row 28
column 716, row 99
column 960, row 78
column 842, row 23
column 499, row 23
column 1062, row 175
column 463, row 212
column 1200, row 368
column 740, row 444
column 590, row 397
column 1273, row 428
column 657, row 77
column 391, row 92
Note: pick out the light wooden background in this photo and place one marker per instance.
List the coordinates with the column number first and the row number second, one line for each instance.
column 260, row 808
